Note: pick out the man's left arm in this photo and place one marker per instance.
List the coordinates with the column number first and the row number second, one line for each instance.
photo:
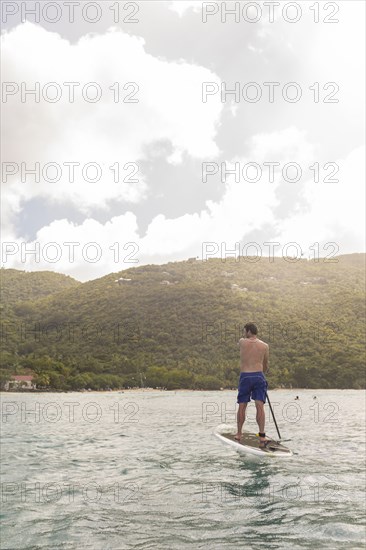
column 266, row 360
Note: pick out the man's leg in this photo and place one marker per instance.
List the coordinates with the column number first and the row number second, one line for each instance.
column 240, row 418
column 260, row 417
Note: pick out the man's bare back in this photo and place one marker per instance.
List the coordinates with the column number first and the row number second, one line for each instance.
column 254, row 355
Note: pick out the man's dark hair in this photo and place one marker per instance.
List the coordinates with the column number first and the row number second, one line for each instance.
column 252, row 327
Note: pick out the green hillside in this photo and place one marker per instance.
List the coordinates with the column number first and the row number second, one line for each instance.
column 18, row 286
column 177, row 325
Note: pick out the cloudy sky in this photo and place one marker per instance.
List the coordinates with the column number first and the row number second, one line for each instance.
column 128, row 151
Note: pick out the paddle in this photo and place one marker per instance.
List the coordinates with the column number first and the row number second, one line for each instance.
column 273, row 416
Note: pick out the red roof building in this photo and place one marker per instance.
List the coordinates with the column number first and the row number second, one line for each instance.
column 22, row 381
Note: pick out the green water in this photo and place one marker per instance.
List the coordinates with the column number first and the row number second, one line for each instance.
column 142, row 470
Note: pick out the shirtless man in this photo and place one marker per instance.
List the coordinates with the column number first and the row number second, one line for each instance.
column 254, row 361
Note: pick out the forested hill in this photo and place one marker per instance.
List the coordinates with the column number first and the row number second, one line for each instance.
column 18, row 286
column 177, row 325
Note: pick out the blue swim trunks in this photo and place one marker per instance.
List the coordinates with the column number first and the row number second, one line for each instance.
column 252, row 385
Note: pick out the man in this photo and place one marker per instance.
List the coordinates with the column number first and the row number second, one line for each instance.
column 254, row 361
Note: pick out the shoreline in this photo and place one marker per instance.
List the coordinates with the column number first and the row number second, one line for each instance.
column 149, row 390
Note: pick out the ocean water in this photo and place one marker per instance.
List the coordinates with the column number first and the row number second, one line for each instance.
column 143, row 470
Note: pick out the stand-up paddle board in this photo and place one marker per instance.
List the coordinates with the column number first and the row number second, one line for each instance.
column 249, row 443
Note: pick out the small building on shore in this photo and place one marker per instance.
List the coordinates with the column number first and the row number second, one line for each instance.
column 21, row 381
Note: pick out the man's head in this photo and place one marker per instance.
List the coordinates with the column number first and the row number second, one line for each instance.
column 250, row 329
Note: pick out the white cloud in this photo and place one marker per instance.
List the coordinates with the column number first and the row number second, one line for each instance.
column 181, row 6
column 169, row 108
column 337, row 210
column 84, row 251
column 286, row 145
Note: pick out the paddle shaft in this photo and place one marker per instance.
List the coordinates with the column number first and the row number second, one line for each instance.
column 273, row 416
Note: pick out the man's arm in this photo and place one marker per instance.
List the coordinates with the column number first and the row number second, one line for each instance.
column 241, row 339
column 266, row 360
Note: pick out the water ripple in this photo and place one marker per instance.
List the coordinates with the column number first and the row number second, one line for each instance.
column 162, row 481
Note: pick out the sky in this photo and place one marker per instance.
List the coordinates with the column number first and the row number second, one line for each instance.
column 147, row 132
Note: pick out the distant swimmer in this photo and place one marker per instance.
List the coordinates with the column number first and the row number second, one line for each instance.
column 315, row 397
column 297, row 397
column 254, row 362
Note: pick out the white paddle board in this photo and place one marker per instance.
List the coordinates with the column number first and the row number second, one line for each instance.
column 249, row 443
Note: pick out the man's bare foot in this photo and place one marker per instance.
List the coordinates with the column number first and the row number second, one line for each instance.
column 237, row 437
